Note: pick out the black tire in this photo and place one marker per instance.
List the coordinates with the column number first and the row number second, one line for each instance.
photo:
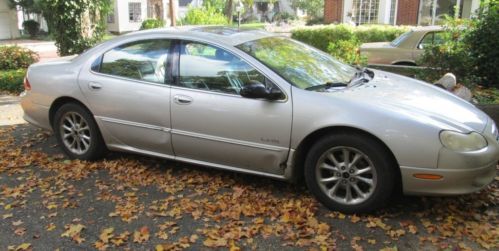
column 96, row 148
column 384, row 166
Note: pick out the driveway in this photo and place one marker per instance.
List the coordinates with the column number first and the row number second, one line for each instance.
column 129, row 201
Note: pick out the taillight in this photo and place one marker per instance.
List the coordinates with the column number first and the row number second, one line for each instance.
column 27, row 85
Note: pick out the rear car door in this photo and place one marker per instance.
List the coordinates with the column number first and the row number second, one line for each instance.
column 127, row 93
column 212, row 124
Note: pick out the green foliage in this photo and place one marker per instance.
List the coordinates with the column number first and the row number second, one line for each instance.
column 15, row 57
column 343, row 40
column 204, row 15
column 12, row 80
column 314, row 8
column 152, row 24
column 32, row 27
column 450, row 56
column 218, row 5
column 76, row 24
column 347, row 51
column 284, row 17
column 482, row 42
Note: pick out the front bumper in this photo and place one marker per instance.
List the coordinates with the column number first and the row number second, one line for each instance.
column 453, row 182
column 461, row 173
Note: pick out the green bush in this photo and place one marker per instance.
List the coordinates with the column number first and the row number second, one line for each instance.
column 152, row 24
column 342, row 41
column 15, row 57
column 32, row 27
column 12, row 80
column 321, row 36
column 483, row 49
column 204, row 15
column 347, row 51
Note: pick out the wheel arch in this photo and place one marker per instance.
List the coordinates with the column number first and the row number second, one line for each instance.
column 305, row 145
column 60, row 101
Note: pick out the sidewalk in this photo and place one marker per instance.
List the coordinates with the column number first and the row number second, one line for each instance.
column 11, row 112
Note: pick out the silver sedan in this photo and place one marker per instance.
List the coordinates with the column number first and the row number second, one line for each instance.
column 258, row 103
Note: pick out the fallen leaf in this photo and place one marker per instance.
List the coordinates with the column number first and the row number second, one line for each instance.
column 141, row 236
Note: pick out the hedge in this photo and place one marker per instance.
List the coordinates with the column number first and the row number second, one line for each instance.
column 152, row 24
column 12, row 80
column 321, row 35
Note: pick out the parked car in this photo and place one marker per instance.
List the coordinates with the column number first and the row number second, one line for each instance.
column 259, row 103
column 404, row 50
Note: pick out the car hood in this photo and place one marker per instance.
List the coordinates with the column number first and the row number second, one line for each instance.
column 376, row 45
column 416, row 99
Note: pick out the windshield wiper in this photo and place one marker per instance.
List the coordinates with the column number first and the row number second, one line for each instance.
column 360, row 75
column 327, row 85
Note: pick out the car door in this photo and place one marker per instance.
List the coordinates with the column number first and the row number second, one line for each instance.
column 212, row 124
column 127, row 93
column 429, row 39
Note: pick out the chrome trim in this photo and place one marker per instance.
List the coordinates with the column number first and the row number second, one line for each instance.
column 197, row 162
column 194, row 135
column 136, row 124
column 230, row 141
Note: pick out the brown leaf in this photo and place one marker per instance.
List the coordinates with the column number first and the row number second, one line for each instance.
column 141, row 236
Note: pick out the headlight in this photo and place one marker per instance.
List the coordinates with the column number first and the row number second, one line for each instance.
column 461, row 142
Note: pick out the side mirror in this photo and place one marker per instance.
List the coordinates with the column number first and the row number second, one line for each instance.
column 255, row 89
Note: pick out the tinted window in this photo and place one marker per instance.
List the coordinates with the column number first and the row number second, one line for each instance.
column 143, row 60
column 210, row 68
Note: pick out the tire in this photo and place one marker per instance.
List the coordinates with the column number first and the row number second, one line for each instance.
column 329, row 183
column 86, row 137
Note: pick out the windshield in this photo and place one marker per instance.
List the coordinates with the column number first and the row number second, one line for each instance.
column 401, row 38
column 301, row 65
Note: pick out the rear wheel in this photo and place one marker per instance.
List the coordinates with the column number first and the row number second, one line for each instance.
column 77, row 133
column 351, row 173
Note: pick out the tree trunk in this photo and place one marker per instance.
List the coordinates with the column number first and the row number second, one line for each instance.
column 229, row 9
column 173, row 19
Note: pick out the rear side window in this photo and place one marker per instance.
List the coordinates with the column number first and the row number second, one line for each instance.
column 142, row 60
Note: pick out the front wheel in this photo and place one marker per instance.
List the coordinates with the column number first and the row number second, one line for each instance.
column 77, row 133
column 351, row 173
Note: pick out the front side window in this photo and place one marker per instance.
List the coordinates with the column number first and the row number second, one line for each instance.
column 134, row 12
column 142, row 60
column 301, row 65
column 206, row 67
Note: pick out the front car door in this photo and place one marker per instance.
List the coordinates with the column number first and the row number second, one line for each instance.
column 212, row 124
column 126, row 90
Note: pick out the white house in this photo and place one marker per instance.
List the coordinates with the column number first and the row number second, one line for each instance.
column 127, row 15
column 8, row 21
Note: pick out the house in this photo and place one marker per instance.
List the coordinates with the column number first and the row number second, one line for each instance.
column 127, row 15
column 396, row 12
column 8, row 21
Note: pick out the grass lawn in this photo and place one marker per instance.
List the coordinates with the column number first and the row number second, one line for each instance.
column 486, row 96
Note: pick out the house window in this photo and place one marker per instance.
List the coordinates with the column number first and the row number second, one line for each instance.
column 134, row 12
column 393, row 8
column 366, row 11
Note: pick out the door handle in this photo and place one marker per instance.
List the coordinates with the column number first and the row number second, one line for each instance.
column 182, row 100
column 94, row 86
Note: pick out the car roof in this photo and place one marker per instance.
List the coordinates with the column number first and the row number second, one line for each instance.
column 427, row 28
column 221, row 34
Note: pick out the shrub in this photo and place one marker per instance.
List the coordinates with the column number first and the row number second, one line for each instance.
column 12, row 80
column 15, row 57
column 204, row 15
column 483, row 41
column 32, row 27
column 342, row 41
column 152, row 24
column 347, row 51
column 320, row 36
